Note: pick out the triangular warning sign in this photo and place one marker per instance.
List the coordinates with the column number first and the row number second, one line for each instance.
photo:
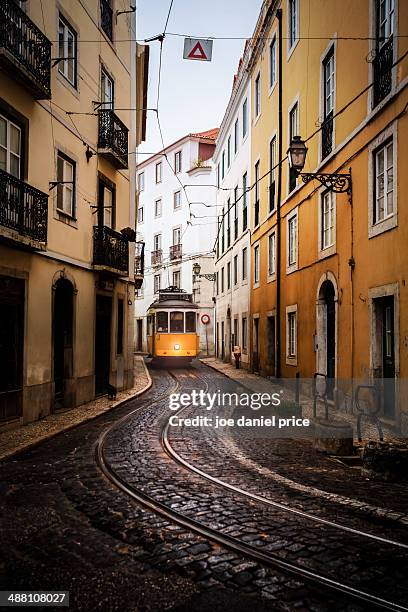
column 197, row 52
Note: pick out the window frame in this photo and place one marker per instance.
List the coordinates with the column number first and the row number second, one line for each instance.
column 291, row 315
column 293, row 20
column 156, row 283
column 292, row 264
column 236, row 135
column 63, row 188
column 178, row 161
column 158, row 172
column 63, row 64
column 272, row 259
column 245, row 118
column 141, row 181
column 177, row 206
column 272, row 63
column 156, row 213
column 244, row 265
column 257, row 264
column 376, row 227
column 331, row 211
column 257, row 95
column 20, row 156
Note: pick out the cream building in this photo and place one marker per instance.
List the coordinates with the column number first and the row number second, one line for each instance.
column 67, row 144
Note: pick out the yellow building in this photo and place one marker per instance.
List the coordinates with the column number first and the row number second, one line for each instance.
column 67, row 143
column 329, row 290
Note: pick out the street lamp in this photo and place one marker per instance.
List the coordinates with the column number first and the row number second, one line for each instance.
column 338, row 183
column 197, row 270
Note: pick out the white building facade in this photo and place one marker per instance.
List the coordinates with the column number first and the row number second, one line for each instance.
column 232, row 162
column 177, row 222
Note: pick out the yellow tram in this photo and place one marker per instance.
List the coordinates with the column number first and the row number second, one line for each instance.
column 172, row 323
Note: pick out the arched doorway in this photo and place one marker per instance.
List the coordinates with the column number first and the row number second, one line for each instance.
column 63, row 341
column 326, row 332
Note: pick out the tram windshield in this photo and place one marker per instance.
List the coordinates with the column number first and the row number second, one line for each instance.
column 162, row 322
column 190, row 322
column 176, row 322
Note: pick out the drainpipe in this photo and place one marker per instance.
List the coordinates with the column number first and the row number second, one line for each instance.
column 278, row 204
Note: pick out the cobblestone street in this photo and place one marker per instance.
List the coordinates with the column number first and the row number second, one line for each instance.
column 148, row 542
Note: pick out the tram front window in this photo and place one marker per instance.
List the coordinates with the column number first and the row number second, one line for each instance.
column 162, row 322
column 176, row 323
column 190, row 322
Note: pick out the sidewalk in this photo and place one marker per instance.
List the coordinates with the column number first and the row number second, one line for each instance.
column 260, row 384
column 27, row 436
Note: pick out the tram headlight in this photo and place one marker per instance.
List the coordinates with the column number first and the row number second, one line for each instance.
column 176, row 347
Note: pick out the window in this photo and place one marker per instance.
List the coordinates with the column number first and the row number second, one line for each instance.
column 293, row 131
column 106, row 203
column 140, row 214
column 217, row 288
column 10, row 147
column 223, row 165
column 245, row 118
column 236, row 135
column 176, row 322
column 293, row 18
column 107, row 89
column 228, row 215
column 158, row 208
column 385, row 20
column 218, row 176
column 236, row 213
column 141, row 181
column 176, row 236
column 256, row 264
column 272, row 63
column 328, row 220
column 157, row 242
column 384, row 182
column 176, row 279
column 177, row 162
column 157, row 283
column 67, row 49
column 190, row 322
column 272, row 182
column 162, row 322
column 272, row 254
column 66, row 185
column 119, row 337
column 223, row 231
column 107, row 17
column 244, row 263
column 177, row 200
column 328, row 103
column 384, row 49
column 292, row 241
column 291, row 343
column 229, row 151
column 222, row 280
column 236, row 332
column 159, row 172
column 244, row 333
column 256, row 210
column 235, row 269
column 244, row 202
column 257, row 95
column 229, row 275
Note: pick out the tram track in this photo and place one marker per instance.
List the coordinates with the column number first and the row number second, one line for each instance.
column 226, row 540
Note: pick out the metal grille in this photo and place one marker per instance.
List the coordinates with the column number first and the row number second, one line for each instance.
column 23, row 208
column 327, row 136
column 382, row 66
column 157, row 257
column 175, row 251
column 139, row 258
column 26, row 43
column 110, row 249
column 107, row 18
column 113, row 135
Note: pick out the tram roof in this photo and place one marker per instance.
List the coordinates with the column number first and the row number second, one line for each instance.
column 172, row 304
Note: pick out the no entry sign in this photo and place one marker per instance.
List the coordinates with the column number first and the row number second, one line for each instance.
column 198, row 49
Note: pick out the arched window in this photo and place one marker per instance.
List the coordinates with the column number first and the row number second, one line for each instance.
column 176, row 322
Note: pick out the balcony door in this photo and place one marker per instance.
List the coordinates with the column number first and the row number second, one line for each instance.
column 10, row 147
column 107, row 90
column 106, row 204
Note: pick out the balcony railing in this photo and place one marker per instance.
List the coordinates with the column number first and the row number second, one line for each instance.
column 327, row 136
column 25, row 51
column 157, row 257
column 176, row 252
column 382, row 66
column 110, row 250
column 107, row 18
column 23, row 209
column 113, row 138
column 139, row 258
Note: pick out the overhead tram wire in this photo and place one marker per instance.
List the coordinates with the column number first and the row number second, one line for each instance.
column 319, row 129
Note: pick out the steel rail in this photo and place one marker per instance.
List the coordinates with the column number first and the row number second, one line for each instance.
column 225, row 540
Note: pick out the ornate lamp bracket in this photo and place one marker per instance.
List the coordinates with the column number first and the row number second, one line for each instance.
column 210, row 277
column 338, row 183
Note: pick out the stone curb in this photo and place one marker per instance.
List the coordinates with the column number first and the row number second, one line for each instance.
column 34, row 443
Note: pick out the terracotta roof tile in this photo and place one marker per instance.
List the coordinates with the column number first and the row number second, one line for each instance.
column 210, row 134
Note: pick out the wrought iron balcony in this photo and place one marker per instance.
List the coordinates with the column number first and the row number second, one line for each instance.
column 110, row 250
column 382, row 66
column 157, row 257
column 107, row 18
column 139, row 264
column 113, row 138
column 327, row 136
column 176, row 252
column 25, row 52
column 23, row 212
